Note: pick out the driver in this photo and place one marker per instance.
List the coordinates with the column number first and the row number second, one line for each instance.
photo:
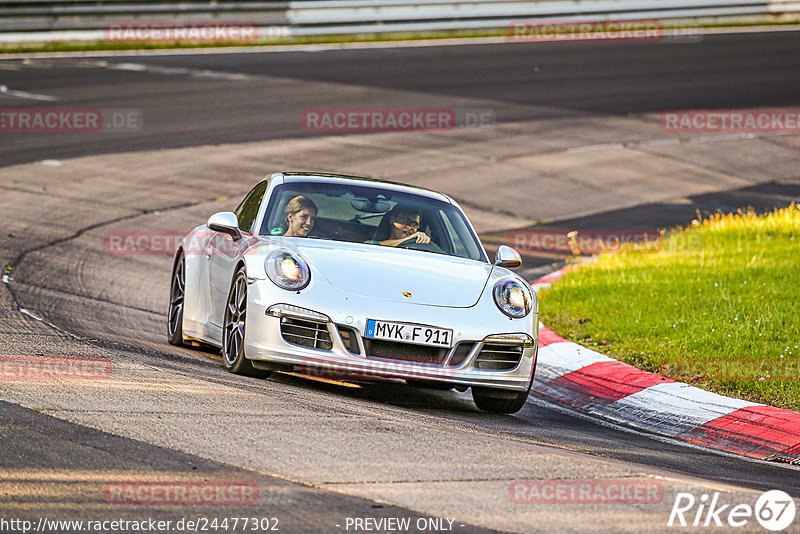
column 300, row 215
column 399, row 225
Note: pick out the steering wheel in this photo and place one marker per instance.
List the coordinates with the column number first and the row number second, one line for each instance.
column 411, row 243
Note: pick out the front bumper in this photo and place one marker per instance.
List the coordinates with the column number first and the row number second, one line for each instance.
column 334, row 354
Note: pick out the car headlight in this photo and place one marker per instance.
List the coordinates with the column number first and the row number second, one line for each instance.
column 287, row 270
column 512, row 298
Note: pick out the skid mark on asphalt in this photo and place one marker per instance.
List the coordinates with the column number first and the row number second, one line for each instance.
column 719, row 138
column 128, row 384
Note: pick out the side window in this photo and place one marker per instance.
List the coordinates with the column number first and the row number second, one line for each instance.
column 459, row 249
column 248, row 209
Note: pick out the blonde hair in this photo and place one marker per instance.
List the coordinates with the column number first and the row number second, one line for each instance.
column 299, row 203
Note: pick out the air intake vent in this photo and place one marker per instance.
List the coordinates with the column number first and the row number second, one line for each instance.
column 350, row 339
column 460, row 354
column 499, row 357
column 306, row 333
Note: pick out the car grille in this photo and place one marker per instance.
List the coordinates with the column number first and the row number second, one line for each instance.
column 311, row 334
column 499, row 357
column 392, row 350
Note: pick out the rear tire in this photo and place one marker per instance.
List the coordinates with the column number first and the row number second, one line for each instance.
column 233, row 331
column 177, row 293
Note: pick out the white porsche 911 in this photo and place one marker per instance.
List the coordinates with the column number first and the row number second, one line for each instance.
column 357, row 279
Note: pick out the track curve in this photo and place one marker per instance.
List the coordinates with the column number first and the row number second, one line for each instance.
column 427, row 452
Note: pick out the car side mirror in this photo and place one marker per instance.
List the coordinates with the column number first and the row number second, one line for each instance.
column 225, row 222
column 507, row 257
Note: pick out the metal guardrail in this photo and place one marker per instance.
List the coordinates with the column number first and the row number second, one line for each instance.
column 376, row 16
column 60, row 15
column 85, row 19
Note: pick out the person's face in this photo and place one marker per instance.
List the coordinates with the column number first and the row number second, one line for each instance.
column 404, row 225
column 301, row 222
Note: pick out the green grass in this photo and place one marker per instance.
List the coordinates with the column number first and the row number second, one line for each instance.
column 716, row 305
column 84, row 46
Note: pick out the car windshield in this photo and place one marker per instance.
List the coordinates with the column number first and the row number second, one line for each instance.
column 371, row 215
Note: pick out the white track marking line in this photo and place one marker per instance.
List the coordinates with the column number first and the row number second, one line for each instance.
column 569, row 357
column 178, row 71
column 30, row 314
column 5, row 91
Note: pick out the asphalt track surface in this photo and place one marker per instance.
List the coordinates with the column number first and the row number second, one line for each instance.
column 259, row 97
column 265, row 96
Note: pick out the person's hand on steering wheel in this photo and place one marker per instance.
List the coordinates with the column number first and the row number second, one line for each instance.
column 418, row 237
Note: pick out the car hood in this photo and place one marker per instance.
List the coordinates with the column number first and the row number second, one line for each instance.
column 389, row 273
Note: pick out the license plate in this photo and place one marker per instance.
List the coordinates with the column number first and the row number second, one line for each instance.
column 417, row 334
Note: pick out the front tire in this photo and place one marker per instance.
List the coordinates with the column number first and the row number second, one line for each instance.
column 499, row 401
column 177, row 293
column 233, row 331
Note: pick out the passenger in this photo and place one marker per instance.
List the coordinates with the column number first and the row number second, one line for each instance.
column 399, row 225
column 300, row 215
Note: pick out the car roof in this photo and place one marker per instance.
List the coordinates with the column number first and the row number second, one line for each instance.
column 360, row 180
